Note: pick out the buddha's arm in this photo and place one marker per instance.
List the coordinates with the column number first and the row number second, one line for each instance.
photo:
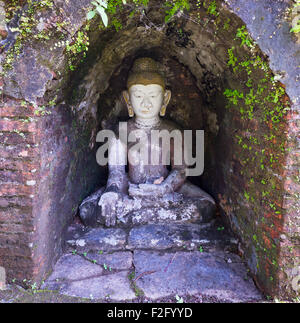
column 177, row 176
column 117, row 177
column 172, row 182
column 175, row 179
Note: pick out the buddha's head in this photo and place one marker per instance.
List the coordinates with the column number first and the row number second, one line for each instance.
column 146, row 96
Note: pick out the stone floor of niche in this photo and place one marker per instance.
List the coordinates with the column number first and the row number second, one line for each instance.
column 152, row 262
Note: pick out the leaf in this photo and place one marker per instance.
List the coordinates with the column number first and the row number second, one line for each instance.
column 90, row 15
column 102, row 3
column 179, row 299
column 103, row 15
column 14, row 30
column 295, row 29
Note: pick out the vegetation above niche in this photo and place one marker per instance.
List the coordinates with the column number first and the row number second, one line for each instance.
column 23, row 22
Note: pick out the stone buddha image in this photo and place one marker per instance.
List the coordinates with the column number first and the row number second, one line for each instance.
column 147, row 192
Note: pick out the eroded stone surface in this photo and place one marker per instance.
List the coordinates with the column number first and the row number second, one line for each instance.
column 115, row 286
column 69, row 268
column 118, row 260
column 163, row 270
column 189, row 236
column 73, row 267
column 80, row 276
column 190, row 273
column 100, row 239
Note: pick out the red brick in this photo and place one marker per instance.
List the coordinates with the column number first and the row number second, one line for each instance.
column 9, row 110
column 12, row 125
column 16, row 228
column 18, row 151
column 15, row 201
column 267, row 241
column 20, row 165
column 17, row 239
column 16, row 190
column 291, row 115
column 13, row 214
column 7, row 176
column 21, row 258
column 13, row 138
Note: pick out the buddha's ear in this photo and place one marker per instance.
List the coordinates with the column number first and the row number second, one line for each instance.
column 167, row 98
column 127, row 101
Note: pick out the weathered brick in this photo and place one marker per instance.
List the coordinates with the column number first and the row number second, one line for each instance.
column 16, row 251
column 11, row 110
column 21, row 126
column 7, row 176
column 15, row 138
column 9, row 239
column 16, row 190
column 19, row 260
column 14, row 214
column 19, row 151
column 15, row 201
column 26, row 226
column 19, row 165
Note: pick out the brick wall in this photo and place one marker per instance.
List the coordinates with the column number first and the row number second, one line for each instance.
column 19, row 167
column 43, row 179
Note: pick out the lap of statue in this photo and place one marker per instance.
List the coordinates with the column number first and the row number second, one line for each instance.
column 189, row 204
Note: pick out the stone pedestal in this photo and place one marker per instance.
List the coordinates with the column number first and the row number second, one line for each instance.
column 171, row 208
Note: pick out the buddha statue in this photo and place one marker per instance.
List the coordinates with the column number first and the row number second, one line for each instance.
column 149, row 192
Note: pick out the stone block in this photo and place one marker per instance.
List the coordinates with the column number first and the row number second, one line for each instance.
column 191, row 273
column 177, row 236
column 100, row 239
column 73, row 267
column 116, row 287
column 115, row 261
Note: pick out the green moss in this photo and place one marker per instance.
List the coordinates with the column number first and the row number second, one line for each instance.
column 26, row 28
column 262, row 102
column 260, row 105
column 138, row 291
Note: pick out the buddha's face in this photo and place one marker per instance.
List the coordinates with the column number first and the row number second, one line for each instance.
column 147, row 101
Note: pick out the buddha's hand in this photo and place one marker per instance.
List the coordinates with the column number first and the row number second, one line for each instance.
column 109, row 202
column 149, row 190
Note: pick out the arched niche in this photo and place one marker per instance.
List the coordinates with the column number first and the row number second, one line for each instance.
column 201, row 59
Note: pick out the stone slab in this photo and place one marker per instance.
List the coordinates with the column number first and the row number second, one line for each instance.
column 215, row 274
column 71, row 267
column 182, row 236
column 100, row 239
column 116, row 287
column 119, row 260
